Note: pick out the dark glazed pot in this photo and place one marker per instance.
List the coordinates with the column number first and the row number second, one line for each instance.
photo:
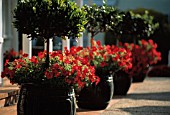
column 122, row 83
column 38, row 100
column 96, row 97
column 141, row 76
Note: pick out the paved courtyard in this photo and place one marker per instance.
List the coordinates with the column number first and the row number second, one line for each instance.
column 151, row 97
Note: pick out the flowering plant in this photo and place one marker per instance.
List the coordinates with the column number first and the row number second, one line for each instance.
column 64, row 70
column 143, row 54
column 107, row 59
column 11, row 55
column 159, row 71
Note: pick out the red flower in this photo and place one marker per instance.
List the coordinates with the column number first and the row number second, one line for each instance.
column 85, row 70
column 116, row 58
column 49, row 75
column 6, row 62
column 103, row 64
column 34, row 60
column 25, row 55
column 41, row 55
column 66, row 51
column 18, row 66
column 67, row 61
column 55, row 53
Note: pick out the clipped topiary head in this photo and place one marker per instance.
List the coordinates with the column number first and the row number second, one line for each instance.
column 136, row 24
column 101, row 18
column 48, row 18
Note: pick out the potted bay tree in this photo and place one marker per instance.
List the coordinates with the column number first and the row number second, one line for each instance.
column 49, row 79
column 100, row 19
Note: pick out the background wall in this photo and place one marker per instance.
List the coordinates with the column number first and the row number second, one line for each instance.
column 162, row 6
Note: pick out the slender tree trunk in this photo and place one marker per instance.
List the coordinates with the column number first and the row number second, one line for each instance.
column 134, row 41
column 92, row 39
column 117, row 42
column 47, row 56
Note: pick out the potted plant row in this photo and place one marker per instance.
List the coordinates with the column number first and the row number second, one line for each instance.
column 68, row 69
column 48, row 80
column 50, row 76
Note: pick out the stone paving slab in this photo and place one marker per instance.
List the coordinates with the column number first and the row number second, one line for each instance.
column 8, row 93
column 151, row 97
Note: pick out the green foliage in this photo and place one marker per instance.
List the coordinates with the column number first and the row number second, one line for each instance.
column 48, row 18
column 149, row 26
column 158, row 16
column 136, row 25
column 101, row 18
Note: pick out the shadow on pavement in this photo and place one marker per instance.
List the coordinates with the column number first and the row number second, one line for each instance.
column 148, row 110
column 82, row 110
column 160, row 96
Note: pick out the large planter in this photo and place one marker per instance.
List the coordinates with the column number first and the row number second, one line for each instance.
column 38, row 100
column 96, row 97
column 141, row 76
column 122, row 83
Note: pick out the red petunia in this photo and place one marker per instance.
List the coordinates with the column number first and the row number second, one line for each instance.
column 6, row 62
column 41, row 55
column 25, row 55
column 18, row 66
column 34, row 60
column 103, row 64
column 49, row 75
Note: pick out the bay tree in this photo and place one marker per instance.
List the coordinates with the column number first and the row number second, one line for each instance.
column 135, row 26
column 101, row 18
column 45, row 19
